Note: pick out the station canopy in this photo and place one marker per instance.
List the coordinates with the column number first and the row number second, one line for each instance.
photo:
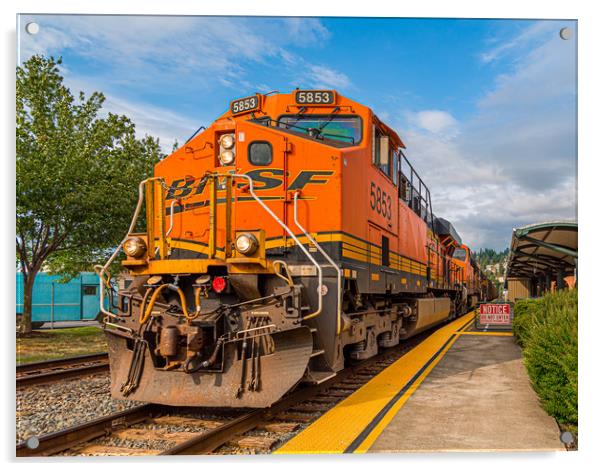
column 543, row 248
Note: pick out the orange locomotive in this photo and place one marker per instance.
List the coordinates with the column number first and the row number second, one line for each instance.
column 290, row 237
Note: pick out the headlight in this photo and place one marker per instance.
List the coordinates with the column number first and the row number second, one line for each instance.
column 227, row 149
column 226, row 157
column 134, row 247
column 246, row 244
column 227, row 141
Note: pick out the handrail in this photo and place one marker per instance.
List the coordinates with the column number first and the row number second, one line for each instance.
column 171, row 206
column 102, row 271
column 261, row 203
column 326, row 256
column 294, row 237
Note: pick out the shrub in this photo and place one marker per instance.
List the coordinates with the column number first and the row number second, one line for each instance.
column 546, row 328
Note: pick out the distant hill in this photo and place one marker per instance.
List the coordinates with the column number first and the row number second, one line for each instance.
column 492, row 263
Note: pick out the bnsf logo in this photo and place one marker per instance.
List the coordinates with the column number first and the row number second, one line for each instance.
column 263, row 179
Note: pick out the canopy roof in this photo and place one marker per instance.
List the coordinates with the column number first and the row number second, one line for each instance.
column 542, row 248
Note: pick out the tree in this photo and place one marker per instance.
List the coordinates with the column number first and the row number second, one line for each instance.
column 77, row 175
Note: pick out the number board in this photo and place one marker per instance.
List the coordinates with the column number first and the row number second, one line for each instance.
column 243, row 105
column 314, row 97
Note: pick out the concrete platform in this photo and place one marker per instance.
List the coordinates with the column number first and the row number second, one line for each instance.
column 459, row 390
column 478, row 398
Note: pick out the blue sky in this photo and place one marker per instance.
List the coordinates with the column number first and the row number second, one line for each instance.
column 486, row 107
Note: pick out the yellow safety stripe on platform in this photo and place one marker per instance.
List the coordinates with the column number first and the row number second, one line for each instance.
column 490, row 332
column 351, row 423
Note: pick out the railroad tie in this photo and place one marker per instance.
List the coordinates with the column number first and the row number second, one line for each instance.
column 279, row 427
column 295, row 417
column 147, row 434
column 254, row 442
column 309, row 407
column 108, row 450
column 186, row 422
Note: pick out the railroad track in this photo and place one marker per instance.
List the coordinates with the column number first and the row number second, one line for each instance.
column 43, row 372
column 153, row 429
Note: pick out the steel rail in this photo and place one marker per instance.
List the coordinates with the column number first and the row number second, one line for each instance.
column 205, row 442
column 60, row 362
column 60, row 375
column 209, row 441
column 62, row 440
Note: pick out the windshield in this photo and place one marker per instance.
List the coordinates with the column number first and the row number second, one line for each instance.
column 346, row 129
column 460, row 254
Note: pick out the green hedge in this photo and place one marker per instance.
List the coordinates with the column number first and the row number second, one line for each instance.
column 546, row 328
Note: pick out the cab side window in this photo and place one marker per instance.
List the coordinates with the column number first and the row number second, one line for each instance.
column 382, row 153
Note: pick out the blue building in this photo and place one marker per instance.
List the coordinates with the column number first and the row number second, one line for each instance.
column 54, row 301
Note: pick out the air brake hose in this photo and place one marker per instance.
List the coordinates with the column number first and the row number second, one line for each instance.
column 151, row 303
column 204, row 364
column 156, row 294
column 143, row 303
column 197, row 300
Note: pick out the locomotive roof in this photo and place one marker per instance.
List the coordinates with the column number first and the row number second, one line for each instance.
column 284, row 103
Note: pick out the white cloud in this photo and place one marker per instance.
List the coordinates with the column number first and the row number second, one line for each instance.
column 136, row 56
column 192, row 51
column 436, row 121
column 320, row 76
column 513, row 162
column 156, row 121
column 506, row 45
column 306, row 31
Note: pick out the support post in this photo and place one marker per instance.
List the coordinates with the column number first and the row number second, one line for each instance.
column 560, row 284
column 52, row 305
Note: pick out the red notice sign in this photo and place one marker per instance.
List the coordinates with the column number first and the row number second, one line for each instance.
column 494, row 314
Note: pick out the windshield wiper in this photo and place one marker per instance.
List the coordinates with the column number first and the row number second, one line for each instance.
column 320, row 128
column 326, row 123
column 298, row 116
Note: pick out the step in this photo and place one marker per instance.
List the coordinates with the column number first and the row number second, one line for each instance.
column 318, row 377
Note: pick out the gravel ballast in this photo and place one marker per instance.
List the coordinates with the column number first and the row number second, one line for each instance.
column 51, row 407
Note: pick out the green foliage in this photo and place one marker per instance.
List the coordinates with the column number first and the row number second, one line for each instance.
column 546, row 328
column 77, row 172
column 525, row 311
column 490, row 256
